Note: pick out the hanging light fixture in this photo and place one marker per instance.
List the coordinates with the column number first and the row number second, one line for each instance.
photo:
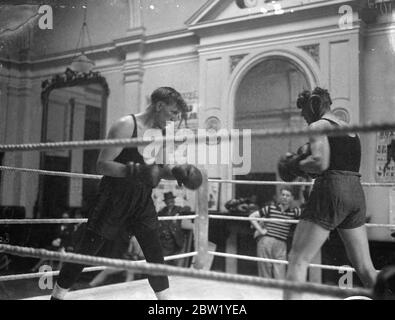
column 81, row 63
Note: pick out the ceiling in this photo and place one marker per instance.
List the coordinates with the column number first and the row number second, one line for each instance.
column 16, row 18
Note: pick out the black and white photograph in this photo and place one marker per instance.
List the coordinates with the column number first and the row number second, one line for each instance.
column 214, row 191
column 197, row 151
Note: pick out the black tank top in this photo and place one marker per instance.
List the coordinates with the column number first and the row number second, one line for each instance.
column 345, row 152
column 121, row 201
column 130, row 154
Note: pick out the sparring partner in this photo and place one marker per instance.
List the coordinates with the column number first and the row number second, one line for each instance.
column 337, row 199
column 124, row 206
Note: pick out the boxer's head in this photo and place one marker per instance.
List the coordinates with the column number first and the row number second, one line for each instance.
column 167, row 105
column 314, row 104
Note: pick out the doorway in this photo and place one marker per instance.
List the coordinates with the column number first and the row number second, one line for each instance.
column 55, row 189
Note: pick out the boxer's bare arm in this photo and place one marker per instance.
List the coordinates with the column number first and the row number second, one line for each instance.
column 255, row 223
column 319, row 159
column 121, row 129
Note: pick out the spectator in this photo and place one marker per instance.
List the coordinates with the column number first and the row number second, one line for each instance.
column 171, row 234
column 272, row 237
column 62, row 242
column 65, row 234
column 78, row 229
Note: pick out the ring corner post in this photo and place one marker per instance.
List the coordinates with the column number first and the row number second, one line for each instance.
column 201, row 223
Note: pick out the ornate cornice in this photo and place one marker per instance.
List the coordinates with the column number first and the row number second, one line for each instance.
column 70, row 78
column 234, row 61
column 313, row 50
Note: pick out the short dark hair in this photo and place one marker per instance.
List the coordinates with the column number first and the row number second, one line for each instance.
column 303, row 99
column 289, row 189
column 169, row 95
column 325, row 96
column 304, row 96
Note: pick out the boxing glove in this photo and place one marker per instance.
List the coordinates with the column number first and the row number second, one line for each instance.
column 187, row 175
column 288, row 167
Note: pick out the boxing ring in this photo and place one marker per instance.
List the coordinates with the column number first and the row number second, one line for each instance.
column 193, row 283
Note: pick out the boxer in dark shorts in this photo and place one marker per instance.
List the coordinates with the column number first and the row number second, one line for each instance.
column 337, row 200
column 124, row 205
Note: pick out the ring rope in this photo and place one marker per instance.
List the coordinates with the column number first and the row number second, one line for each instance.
column 27, row 276
column 281, row 183
column 169, row 218
column 42, row 221
column 35, row 275
column 135, row 142
column 262, row 183
column 225, row 181
column 84, row 220
column 52, row 173
column 236, row 218
column 276, row 261
column 159, row 269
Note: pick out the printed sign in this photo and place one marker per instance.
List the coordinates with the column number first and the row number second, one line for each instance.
column 385, row 164
column 392, row 207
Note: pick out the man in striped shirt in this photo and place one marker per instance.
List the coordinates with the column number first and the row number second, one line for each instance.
column 272, row 237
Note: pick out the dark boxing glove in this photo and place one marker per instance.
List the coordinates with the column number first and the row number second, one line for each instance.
column 147, row 174
column 187, row 175
column 304, row 151
column 288, row 167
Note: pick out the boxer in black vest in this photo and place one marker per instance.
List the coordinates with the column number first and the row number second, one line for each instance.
column 337, row 200
column 124, row 205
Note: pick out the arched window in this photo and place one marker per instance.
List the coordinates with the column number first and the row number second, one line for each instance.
column 266, row 99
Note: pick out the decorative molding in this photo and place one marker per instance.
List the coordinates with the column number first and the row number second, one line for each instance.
column 168, row 36
column 213, row 123
column 313, row 50
column 265, row 114
column 201, row 12
column 70, row 78
column 195, row 24
column 380, row 29
column 133, row 71
column 133, row 75
column 342, row 114
column 174, row 59
column 234, row 61
column 287, row 37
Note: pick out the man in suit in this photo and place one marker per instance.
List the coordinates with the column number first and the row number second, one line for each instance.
column 171, row 234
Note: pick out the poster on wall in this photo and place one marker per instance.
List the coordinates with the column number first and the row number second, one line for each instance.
column 213, row 196
column 385, row 162
column 75, row 195
column 184, row 197
column 392, row 208
column 191, row 98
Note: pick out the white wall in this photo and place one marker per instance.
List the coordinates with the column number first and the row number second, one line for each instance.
column 106, row 20
column 181, row 76
column 377, row 92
